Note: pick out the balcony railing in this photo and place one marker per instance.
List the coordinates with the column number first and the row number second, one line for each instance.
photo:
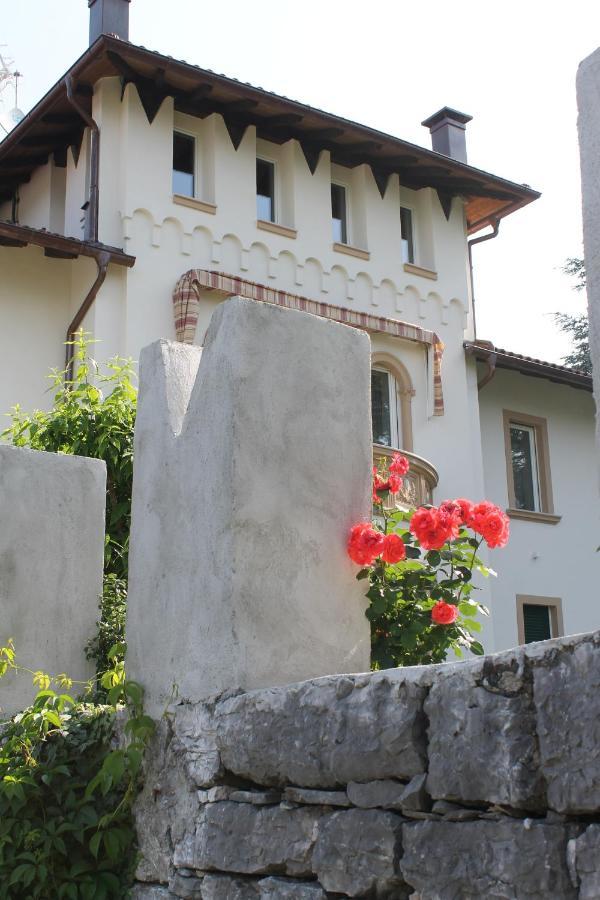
column 418, row 484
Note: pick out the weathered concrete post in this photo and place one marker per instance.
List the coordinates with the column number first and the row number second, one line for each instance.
column 252, row 462
column 588, row 101
column 51, row 557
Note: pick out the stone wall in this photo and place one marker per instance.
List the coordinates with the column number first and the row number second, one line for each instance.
column 476, row 779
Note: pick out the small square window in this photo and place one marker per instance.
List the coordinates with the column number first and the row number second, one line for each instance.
column 406, row 231
column 184, row 163
column 339, row 216
column 265, row 190
column 538, row 618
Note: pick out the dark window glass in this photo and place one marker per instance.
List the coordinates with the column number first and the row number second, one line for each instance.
column 406, row 227
column 265, row 190
column 380, row 408
column 536, row 621
column 183, row 164
column 338, row 214
column 524, row 466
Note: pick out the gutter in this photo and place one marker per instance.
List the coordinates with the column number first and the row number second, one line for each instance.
column 91, row 219
column 495, row 224
column 102, row 258
column 485, row 352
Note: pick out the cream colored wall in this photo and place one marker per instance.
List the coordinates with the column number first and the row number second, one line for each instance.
column 541, row 559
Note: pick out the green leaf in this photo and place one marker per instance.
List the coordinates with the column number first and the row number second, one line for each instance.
column 94, row 844
column 477, row 648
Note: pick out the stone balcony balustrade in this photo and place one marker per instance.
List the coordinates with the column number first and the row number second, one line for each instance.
column 418, row 483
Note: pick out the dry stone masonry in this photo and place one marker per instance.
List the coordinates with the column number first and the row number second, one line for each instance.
column 469, row 780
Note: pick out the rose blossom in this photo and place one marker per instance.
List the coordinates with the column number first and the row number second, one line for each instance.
column 431, row 529
column 364, row 544
column 393, row 548
column 399, row 465
column 491, row 523
column 444, row 613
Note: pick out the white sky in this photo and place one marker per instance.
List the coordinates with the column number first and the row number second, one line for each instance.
column 390, row 64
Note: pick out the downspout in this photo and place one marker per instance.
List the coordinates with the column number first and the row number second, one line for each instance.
column 102, row 260
column 470, row 245
column 489, row 361
column 91, row 221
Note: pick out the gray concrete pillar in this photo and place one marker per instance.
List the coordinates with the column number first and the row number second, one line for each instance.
column 252, row 461
column 588, row 101
column 51, row 558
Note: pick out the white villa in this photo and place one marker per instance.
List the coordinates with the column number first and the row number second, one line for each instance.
column 141, row 191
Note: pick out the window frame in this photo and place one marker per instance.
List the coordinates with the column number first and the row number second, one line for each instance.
column 334, row 182
column 194, row 138
column 394, row 407
column 260, row 157
column 554, row 604
column 546, row 502
column 414, row 260
column 386, row 362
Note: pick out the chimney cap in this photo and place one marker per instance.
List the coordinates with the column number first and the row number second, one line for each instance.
column 447, row 112
column 91, row 2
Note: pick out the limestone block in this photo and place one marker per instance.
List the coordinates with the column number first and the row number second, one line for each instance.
column 587, row 863
column 51, row 558
column 251, row 840
column 224, row 887
column 252, row 463
column 186, row 886
column 284, row 889
column 566, row 692
column 482, row 743
column 384, row 793
column 195, row 738
column 151, row 892
column 327, row 732
column 357, row 854
column 520, row 860
column 316, row 798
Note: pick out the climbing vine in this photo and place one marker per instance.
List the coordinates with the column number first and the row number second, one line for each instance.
column 67, row 786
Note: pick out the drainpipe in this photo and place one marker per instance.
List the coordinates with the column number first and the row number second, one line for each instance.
column 91, row 220
column 488, row 348
column 470, row 245
column 102, row 260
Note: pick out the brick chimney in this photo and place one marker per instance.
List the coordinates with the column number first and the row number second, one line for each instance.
column 447, row 127
column 109, row 17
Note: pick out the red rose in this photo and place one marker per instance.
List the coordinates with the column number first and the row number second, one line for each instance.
column 444, row 613
column 399, row 465
column 491, row 523
column 466, row 509
column 364, row 544
column 393, row 549
column 394, row 483
column 433, row 529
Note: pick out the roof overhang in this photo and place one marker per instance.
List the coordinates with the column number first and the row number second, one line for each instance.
column 485, row 352
column 54, row 125
column 57, row 246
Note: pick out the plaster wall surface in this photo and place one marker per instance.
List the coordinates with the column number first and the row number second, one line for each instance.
column 542, row 559
column 51, row 559
column 252, row 461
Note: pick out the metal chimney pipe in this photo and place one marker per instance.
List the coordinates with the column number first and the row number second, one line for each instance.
column 447, row 127
column 109, row 17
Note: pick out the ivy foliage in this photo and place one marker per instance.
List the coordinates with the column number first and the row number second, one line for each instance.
column 66, row 828
column 402, row 596
column 93, row 414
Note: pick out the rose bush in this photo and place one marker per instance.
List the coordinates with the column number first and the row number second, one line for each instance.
column 420, row 565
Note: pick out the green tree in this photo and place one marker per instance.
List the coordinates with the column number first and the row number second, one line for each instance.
column 576, row 326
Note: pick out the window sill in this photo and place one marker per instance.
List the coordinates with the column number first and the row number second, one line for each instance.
column 193, row 203
column 351, row 251
column 274, row 228
column 419, row 270
column 530, row 516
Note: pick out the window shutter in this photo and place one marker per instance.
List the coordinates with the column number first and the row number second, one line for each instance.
column 536, row 621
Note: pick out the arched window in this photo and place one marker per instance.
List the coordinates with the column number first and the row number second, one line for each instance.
column 391, row 393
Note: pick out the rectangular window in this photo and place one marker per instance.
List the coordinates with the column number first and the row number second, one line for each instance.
column 339, row 217
column 384, row 409
column 524, row 459
column 184, row 163
column 265, row 190
column 406, row 230
column 538, row 618
column 528, row 467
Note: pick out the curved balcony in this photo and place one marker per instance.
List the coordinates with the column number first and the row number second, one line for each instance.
column 418, row 484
